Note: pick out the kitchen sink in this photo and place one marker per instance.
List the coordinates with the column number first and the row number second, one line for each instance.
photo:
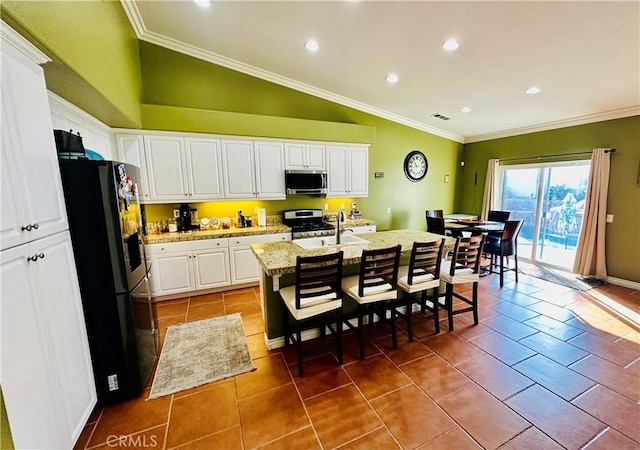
column 322, row 242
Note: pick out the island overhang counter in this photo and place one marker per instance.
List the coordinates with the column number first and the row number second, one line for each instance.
column 278, row 263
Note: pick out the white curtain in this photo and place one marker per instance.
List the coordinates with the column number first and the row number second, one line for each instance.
column 489, row 199
column 590, row 253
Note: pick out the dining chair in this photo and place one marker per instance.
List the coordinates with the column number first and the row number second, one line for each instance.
column 377, row 285
column 496, row 216
column 422, row 274
column 506, row 246
column 435, row 225
column 462, row 268
column 316, row 294
column 434, row 213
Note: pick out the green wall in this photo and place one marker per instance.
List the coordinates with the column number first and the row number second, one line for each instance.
column 94, row 51
column 6, row 440
column 175, row 80
column 623, row 235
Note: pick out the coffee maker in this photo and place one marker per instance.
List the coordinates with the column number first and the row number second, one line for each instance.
column 184, row 222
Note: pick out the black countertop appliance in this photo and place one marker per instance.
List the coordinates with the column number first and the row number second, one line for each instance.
column 185, row 218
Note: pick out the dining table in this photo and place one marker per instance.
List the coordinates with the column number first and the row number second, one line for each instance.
column 474, row 226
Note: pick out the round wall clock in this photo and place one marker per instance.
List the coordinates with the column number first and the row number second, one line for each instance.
column 415, row 165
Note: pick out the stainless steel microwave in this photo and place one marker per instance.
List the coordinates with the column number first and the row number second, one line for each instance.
column 305, row 182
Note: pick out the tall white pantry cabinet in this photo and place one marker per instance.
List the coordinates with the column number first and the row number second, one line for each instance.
column 46, row 375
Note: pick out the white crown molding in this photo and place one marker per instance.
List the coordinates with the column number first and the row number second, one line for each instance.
column 57, row 103
column 135, row 19
column 14, row 39
column 581, row 120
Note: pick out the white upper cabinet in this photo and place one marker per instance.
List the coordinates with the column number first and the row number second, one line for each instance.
column 204, row 169
column 253, row 169
column 304, row 156
column 238, row 161
column 131, row 148
column 347, row 171
column 269, row 170
column 166, row 168
column 32, row 198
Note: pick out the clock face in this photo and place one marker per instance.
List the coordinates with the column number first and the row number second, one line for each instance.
column 415, row 165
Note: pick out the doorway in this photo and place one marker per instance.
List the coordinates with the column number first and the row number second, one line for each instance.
column 550, row 198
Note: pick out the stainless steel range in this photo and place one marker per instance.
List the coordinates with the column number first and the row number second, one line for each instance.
column 307, row 223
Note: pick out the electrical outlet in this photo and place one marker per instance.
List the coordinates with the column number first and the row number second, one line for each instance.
column 341, row 205
column 388, row 210
column 610, row 218
column 255, row 210
column 176, row 213
column 113, row 382
column 326, row 207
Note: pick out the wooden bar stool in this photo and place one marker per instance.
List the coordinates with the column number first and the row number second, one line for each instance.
column 316, row 294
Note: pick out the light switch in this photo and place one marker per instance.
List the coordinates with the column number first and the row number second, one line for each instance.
column 446, row 178
column 609, row 218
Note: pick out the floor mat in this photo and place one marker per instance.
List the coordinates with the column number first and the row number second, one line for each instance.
column 570, row 280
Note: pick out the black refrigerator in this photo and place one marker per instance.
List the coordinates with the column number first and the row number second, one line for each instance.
column 106, row 225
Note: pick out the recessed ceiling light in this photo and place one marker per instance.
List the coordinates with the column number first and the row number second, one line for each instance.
column 203, row 3
column 466, row 109
column 533, row 90
column 312, row 45
column 392, row 78
column 450, row 45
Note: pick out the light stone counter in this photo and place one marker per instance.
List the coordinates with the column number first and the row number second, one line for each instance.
column 278, row 258
column 278, row 261
column 215, row 234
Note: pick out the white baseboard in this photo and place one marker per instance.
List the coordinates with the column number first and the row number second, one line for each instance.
column 622, row 282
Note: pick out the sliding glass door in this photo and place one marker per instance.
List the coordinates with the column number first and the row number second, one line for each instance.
column 550, row 198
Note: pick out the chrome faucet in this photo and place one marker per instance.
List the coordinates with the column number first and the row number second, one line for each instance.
column 339, row 218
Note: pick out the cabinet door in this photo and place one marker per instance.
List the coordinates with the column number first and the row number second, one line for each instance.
column 295, row 156
column 172, row 273
column 131, row 151
column 27, row 141
column 204, row 166
column 211, row 268
column 238, row 174
column 46, row 374
column 315, row 157
column 244, row 266
column 337, row 171
column 29, row 394
column 359, row 172
column 270, row 170
column 166, row 168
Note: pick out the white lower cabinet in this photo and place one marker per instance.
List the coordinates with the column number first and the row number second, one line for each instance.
column 180, row 267
column 363, row 229
column 188, row 266
column 244, row 265
column 46, row 374
column 211, row 268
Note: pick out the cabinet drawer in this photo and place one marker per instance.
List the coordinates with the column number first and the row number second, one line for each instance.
column 248, row 240
column 186, row 246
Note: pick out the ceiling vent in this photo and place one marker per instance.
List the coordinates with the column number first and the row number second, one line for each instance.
column 440, row 116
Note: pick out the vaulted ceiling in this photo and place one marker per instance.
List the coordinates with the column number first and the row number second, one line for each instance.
column 583, row 56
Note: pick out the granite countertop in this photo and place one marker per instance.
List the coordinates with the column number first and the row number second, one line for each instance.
column 274, row 228
column 215, row 234
column 278, row 258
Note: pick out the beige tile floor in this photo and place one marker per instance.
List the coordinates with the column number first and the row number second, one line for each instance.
column 547, row 367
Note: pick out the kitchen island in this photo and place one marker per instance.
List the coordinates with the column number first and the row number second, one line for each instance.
column 278, row 263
